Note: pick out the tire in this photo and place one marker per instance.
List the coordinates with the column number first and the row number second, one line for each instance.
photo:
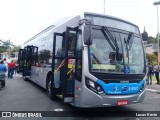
column 51, row 92
column 3, row 83
column 24, row 78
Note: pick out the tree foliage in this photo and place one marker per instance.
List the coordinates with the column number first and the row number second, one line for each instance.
column 151, row 40
column 6, row 45
column 2, row 49
column 15, row 48
column 152, row 58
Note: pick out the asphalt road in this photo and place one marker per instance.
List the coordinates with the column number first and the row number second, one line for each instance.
column 19, row 95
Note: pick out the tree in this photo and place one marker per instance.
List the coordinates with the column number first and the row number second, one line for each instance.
column 152, row 58
column 2, row 49
column 151, row 40
column 5, row 45
column 15, row 48
column 8, row 44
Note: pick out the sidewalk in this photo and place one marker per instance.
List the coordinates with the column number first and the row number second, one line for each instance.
column 153, row 88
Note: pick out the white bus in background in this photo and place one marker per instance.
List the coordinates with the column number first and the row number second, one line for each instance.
column 88, row 60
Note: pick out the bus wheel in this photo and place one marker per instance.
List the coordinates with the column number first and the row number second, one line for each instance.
column 3, row 83
column 25, row 79
column 51, row 93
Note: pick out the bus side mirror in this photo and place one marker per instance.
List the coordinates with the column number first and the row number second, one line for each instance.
column 87, row 35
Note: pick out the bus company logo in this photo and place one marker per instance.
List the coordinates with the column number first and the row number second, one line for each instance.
column 115, row 88
column 124, row 88
column 6, row 114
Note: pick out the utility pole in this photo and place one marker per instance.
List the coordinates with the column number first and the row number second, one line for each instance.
column 156, row 4
column 9, row 51
column 104, row 6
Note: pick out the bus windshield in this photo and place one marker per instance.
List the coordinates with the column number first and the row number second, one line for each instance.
column 103, row 58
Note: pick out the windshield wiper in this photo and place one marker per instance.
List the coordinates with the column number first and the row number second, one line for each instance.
column 130, row 40
column 109, row 38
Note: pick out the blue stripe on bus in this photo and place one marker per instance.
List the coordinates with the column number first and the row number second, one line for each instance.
column 120, row 88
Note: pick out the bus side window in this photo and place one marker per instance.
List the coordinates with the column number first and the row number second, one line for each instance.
column 79, row 57
column 44, row 56
column 58, row 50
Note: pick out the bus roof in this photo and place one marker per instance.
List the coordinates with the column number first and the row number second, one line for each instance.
column 48, row 28
column 57, row 23
column 62, row 20
column 108, row 16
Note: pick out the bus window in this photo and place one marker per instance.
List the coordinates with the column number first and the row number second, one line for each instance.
column 130, row 56
column 58, row 50
column 72, row 44
column 44, row 56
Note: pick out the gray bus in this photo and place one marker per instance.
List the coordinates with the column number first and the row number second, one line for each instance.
column 88, row 60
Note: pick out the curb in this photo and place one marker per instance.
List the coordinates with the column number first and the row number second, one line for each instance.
column 154, row 91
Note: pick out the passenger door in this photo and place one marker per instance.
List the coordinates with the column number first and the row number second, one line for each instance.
column 63, row 65
column 20, row 61
column 69, row 65
column 57, row 62
column 31, row 56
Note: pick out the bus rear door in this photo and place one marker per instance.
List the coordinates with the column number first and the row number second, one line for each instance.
column 57, row 66
column 20, row 61
column 31, row 56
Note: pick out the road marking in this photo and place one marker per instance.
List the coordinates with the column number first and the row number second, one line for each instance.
column 58, row 109
column 151, row 90
column 153, row 98
column 137, row 119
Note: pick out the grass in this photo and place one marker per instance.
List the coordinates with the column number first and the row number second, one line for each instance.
column 153, row 79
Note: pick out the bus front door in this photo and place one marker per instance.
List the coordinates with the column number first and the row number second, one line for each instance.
column 63, row 65
column 69, row 64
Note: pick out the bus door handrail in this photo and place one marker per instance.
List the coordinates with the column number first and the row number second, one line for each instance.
column 60, row 66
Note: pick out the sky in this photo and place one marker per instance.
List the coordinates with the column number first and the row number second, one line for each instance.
column 22, row 19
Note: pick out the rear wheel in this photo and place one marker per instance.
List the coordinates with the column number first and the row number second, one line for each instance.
column 24, row 78
column 3, row 83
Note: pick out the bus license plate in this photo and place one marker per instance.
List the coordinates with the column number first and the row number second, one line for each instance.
column 122, row 102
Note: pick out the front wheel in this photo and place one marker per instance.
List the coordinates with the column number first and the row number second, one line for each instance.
column 51, row 92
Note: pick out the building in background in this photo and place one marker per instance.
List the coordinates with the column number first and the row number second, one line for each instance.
column 13, row 56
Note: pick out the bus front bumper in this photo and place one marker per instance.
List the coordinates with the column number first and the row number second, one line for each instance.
column 91, row 99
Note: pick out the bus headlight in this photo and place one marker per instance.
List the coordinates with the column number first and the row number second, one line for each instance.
column 91, row 83
column 99, row 89
column 94, row 86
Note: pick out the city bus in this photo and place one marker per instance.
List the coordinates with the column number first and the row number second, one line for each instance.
column 87, row 60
